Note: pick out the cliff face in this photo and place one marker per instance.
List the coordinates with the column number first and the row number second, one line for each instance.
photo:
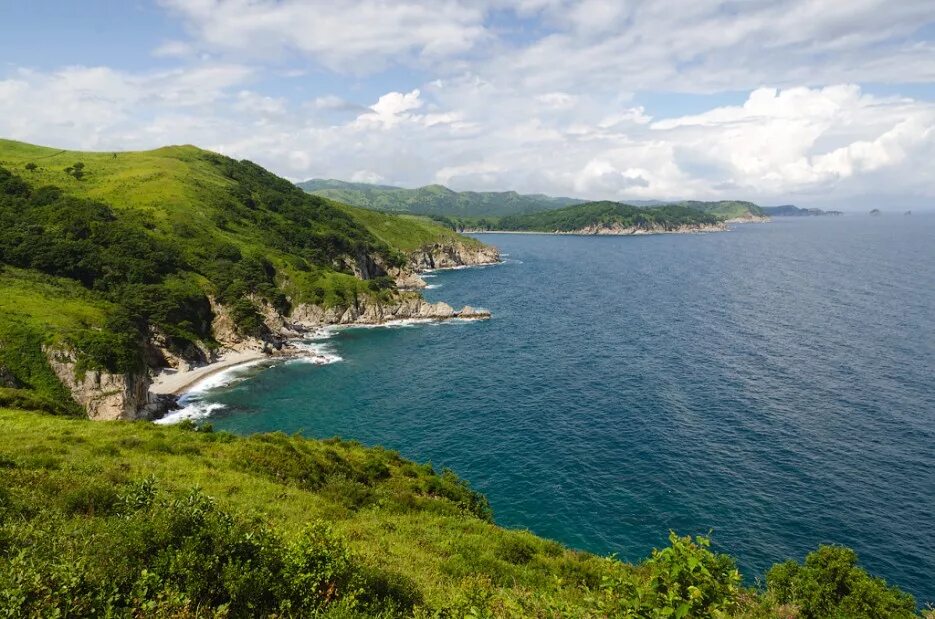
column 435, row 256
column 748, row 218
column 105, row 396
column 371, row 312
column 108, row 396
column 447, row 256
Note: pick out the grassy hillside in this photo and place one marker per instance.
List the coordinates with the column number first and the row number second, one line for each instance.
column 605, row 214
column 434, row 200
column 100, row 251
column 35, row 311
column 405, row 232
column 724, row 209
column 121, row 519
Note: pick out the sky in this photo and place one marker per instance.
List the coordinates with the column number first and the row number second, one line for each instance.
column 820, row 103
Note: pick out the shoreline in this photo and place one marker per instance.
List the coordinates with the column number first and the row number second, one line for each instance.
column 178, row 383
column 579, row 233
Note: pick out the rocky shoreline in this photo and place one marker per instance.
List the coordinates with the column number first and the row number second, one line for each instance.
column 108, row 396
column 620, row 230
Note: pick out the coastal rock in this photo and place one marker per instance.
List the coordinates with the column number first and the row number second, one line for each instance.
column 407, row 280
column 225, row 329
column 105, row 396
column 748, row 218
column 369, row 312
column 451, row 255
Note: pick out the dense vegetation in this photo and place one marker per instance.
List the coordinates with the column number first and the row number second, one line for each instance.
column 606, row 214
column 121, row 519
column 434, row 200
column 723, row 209
column 148, row 238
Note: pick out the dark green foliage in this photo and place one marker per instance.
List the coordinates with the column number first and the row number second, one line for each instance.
column 831, row 585
column 685, row 579
column 516, row 550
column 145, row 553
column 30, row 167
column 293, row 221
column 597, row 214
column 37, row 386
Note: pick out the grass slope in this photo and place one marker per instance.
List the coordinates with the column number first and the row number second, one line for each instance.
column 150, row 236
column 581, row 216
column 406, row 232
column 141, row 520
column 724, row 209
column 35, row 311
column 434, row 200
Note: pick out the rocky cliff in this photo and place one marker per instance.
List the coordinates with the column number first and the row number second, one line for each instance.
column 452, row 255
column 105, row 396
column 409, row 306
column 108, row 396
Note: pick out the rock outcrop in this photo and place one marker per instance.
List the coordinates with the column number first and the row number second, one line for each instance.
column 452, row 255
column 748, row 218
column 106, row 396
column 371, row 312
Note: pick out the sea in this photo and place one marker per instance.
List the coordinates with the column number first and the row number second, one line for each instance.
column 772, row 386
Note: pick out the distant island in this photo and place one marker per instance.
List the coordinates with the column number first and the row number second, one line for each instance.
column 875, row 212
column 788, row 210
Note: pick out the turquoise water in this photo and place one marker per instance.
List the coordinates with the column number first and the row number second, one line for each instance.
column 774, row 385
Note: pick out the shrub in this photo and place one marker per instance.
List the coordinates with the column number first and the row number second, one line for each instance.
column 684, row 580
column 830, row 584
column 516, row 550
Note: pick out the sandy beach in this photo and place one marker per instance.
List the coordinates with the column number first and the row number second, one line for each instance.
column 175, row 383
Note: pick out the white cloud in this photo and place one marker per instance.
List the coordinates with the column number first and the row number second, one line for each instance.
column 553, row 112
column 350, row 36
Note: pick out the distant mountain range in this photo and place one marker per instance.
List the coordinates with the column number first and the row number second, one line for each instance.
column 787, row 210
column 434, row 200
column 483, row 209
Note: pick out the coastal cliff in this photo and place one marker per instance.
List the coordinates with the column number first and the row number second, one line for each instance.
column 370, row 312
column 105, row 396
column 452, row 255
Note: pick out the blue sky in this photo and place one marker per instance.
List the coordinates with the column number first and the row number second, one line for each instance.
column 814, row 102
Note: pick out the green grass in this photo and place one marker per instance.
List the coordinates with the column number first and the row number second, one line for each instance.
column 101, row 516
column 407, row 232
column 434, row 200
column 183, row 194
column 152, row 235
column 725, row 209
column 37, row 311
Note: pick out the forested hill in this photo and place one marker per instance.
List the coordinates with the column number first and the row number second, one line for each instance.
column 725, row 209
column 434, row 200
column 609, row 218
column 102, row 254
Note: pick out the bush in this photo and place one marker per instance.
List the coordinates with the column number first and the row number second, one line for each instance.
column 684, row 580
column 162, row 555
column 830, row 584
